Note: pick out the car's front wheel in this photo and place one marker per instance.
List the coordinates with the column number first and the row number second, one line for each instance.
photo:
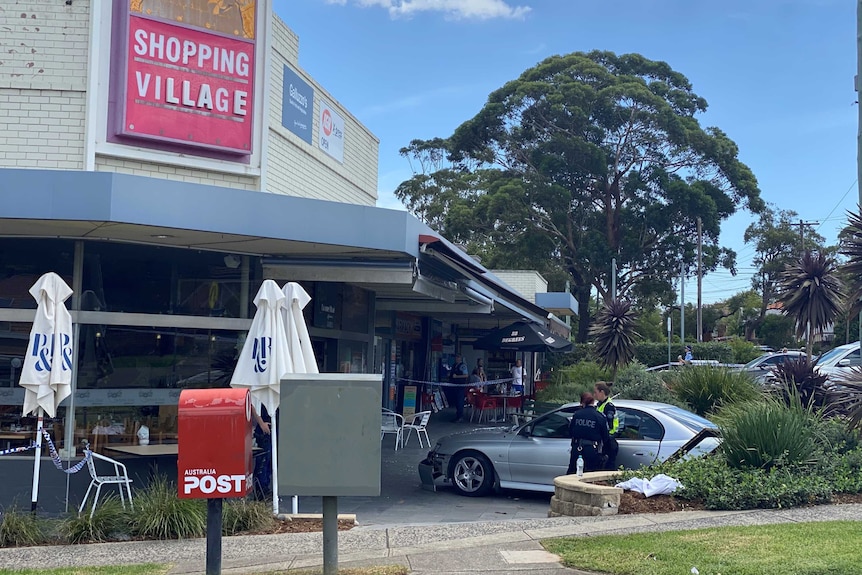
column 472, row 474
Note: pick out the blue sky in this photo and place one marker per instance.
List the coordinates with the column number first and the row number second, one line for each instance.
column 778, row 76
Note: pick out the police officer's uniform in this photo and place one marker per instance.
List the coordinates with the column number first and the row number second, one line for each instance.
column 589, row 432
column 611, row 448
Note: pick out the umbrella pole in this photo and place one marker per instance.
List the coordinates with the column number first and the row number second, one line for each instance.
column 274, row 458
column 38, row 462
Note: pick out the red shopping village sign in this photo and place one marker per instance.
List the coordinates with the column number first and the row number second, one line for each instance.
column 188, row 87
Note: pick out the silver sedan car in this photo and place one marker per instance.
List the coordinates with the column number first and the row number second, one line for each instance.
column 531, row 455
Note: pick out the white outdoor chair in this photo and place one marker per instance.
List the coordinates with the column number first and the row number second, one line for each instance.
column 419, row 422
column 120, row 478
column 391, row 422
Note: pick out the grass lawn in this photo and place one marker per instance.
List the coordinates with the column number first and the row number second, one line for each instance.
column 830, row 548
column 162, row 569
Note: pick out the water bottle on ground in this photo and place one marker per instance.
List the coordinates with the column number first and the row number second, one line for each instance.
column 579, row 466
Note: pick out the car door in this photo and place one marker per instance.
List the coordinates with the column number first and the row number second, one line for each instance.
column 639, row 437
column 540, row 451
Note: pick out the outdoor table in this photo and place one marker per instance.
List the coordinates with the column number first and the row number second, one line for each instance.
column 11, row 436
column 505, row 397
column 150, row 450
column 146, row 450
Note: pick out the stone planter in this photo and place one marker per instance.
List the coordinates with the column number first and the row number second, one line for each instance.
column 578, row 496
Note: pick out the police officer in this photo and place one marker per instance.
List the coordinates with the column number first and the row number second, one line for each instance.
column 602, row 392
column 589, row 431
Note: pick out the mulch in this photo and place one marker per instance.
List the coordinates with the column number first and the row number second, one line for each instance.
column 300, row 526
column 632, row 502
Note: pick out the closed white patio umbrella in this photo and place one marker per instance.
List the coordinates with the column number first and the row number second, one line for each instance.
column 298, row 341
column 46, row 374
column 264, row 360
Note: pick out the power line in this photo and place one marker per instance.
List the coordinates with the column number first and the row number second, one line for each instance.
column 839, row 202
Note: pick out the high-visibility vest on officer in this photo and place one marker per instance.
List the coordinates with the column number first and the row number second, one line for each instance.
column 605, row 407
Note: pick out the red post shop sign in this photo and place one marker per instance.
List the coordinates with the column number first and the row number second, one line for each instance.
column 188, row 86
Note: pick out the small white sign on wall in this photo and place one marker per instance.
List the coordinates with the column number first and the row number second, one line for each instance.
column 331, row 132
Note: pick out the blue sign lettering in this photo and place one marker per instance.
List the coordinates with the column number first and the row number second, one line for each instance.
column 297, row 105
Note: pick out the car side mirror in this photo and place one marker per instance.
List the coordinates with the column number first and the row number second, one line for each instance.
column 845, row 363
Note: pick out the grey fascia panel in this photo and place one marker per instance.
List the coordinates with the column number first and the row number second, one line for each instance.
column 55, row 195
column 558, row 301
column 124, row 198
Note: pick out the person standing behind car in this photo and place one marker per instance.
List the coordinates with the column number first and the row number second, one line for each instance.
column 602, row 392
column 518, row 378
column 459, row 378
column 589, row 432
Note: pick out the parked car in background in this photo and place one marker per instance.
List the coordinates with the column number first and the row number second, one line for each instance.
column 839, row 360
column 760, row 368
column 531, row 455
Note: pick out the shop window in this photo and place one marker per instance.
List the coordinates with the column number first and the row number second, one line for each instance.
column 150, row 279
column 23, row 261
column 130, row 377
column 327, row 304
column 355, row 311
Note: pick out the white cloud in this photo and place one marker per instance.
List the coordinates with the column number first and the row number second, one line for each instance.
column 456, row 9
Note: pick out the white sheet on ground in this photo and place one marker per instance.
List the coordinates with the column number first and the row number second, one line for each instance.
column 659, row 485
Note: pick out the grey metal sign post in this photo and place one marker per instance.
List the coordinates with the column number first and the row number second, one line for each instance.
column 318, row 412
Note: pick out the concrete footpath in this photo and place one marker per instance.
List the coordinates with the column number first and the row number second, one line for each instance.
column 447, row 549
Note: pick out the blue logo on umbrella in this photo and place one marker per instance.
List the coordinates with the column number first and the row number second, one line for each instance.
column 260, row 353
column 43, row 350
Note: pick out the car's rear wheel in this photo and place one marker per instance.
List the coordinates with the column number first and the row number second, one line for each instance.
column 472, row 474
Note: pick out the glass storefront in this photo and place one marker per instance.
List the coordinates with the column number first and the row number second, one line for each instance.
column 22, row 262
column 148, row 279
column 130, row 375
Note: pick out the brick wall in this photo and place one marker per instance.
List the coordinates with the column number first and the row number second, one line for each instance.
column 176, row 173
column 297, row 168
column 526, row 282
column 43, row 80
column 43, row 74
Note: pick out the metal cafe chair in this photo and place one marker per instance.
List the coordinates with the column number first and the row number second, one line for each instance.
column 120, row 479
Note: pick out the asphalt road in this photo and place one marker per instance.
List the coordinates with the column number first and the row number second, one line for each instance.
column 403, row 501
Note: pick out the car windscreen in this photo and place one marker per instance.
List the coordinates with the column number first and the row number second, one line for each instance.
column 754, row 361
column 830, row 355
column 687, row 418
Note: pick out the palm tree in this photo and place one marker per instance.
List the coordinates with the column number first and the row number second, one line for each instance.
column 614, row 333
column 851, row 246
column 811, row 294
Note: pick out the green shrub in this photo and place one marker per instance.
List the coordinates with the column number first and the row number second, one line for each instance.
column 767, row 434
column 241, row 515
column 160, row 514
column 580, row 352
column 743, row 351
column 838, row 437
column 705, row 389
column 843, row 471
column 721, row 487
column 108, row 521
column 567, row 383
column 652, row 353
column 635, row 382
column 19, row 529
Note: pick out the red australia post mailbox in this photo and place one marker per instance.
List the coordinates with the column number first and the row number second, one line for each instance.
column 215, row 436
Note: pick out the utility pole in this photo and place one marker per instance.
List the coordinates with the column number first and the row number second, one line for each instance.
column 802, row 225
column 614, row 278
column 682, row 303
column 859, row 110
column 699, row 280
